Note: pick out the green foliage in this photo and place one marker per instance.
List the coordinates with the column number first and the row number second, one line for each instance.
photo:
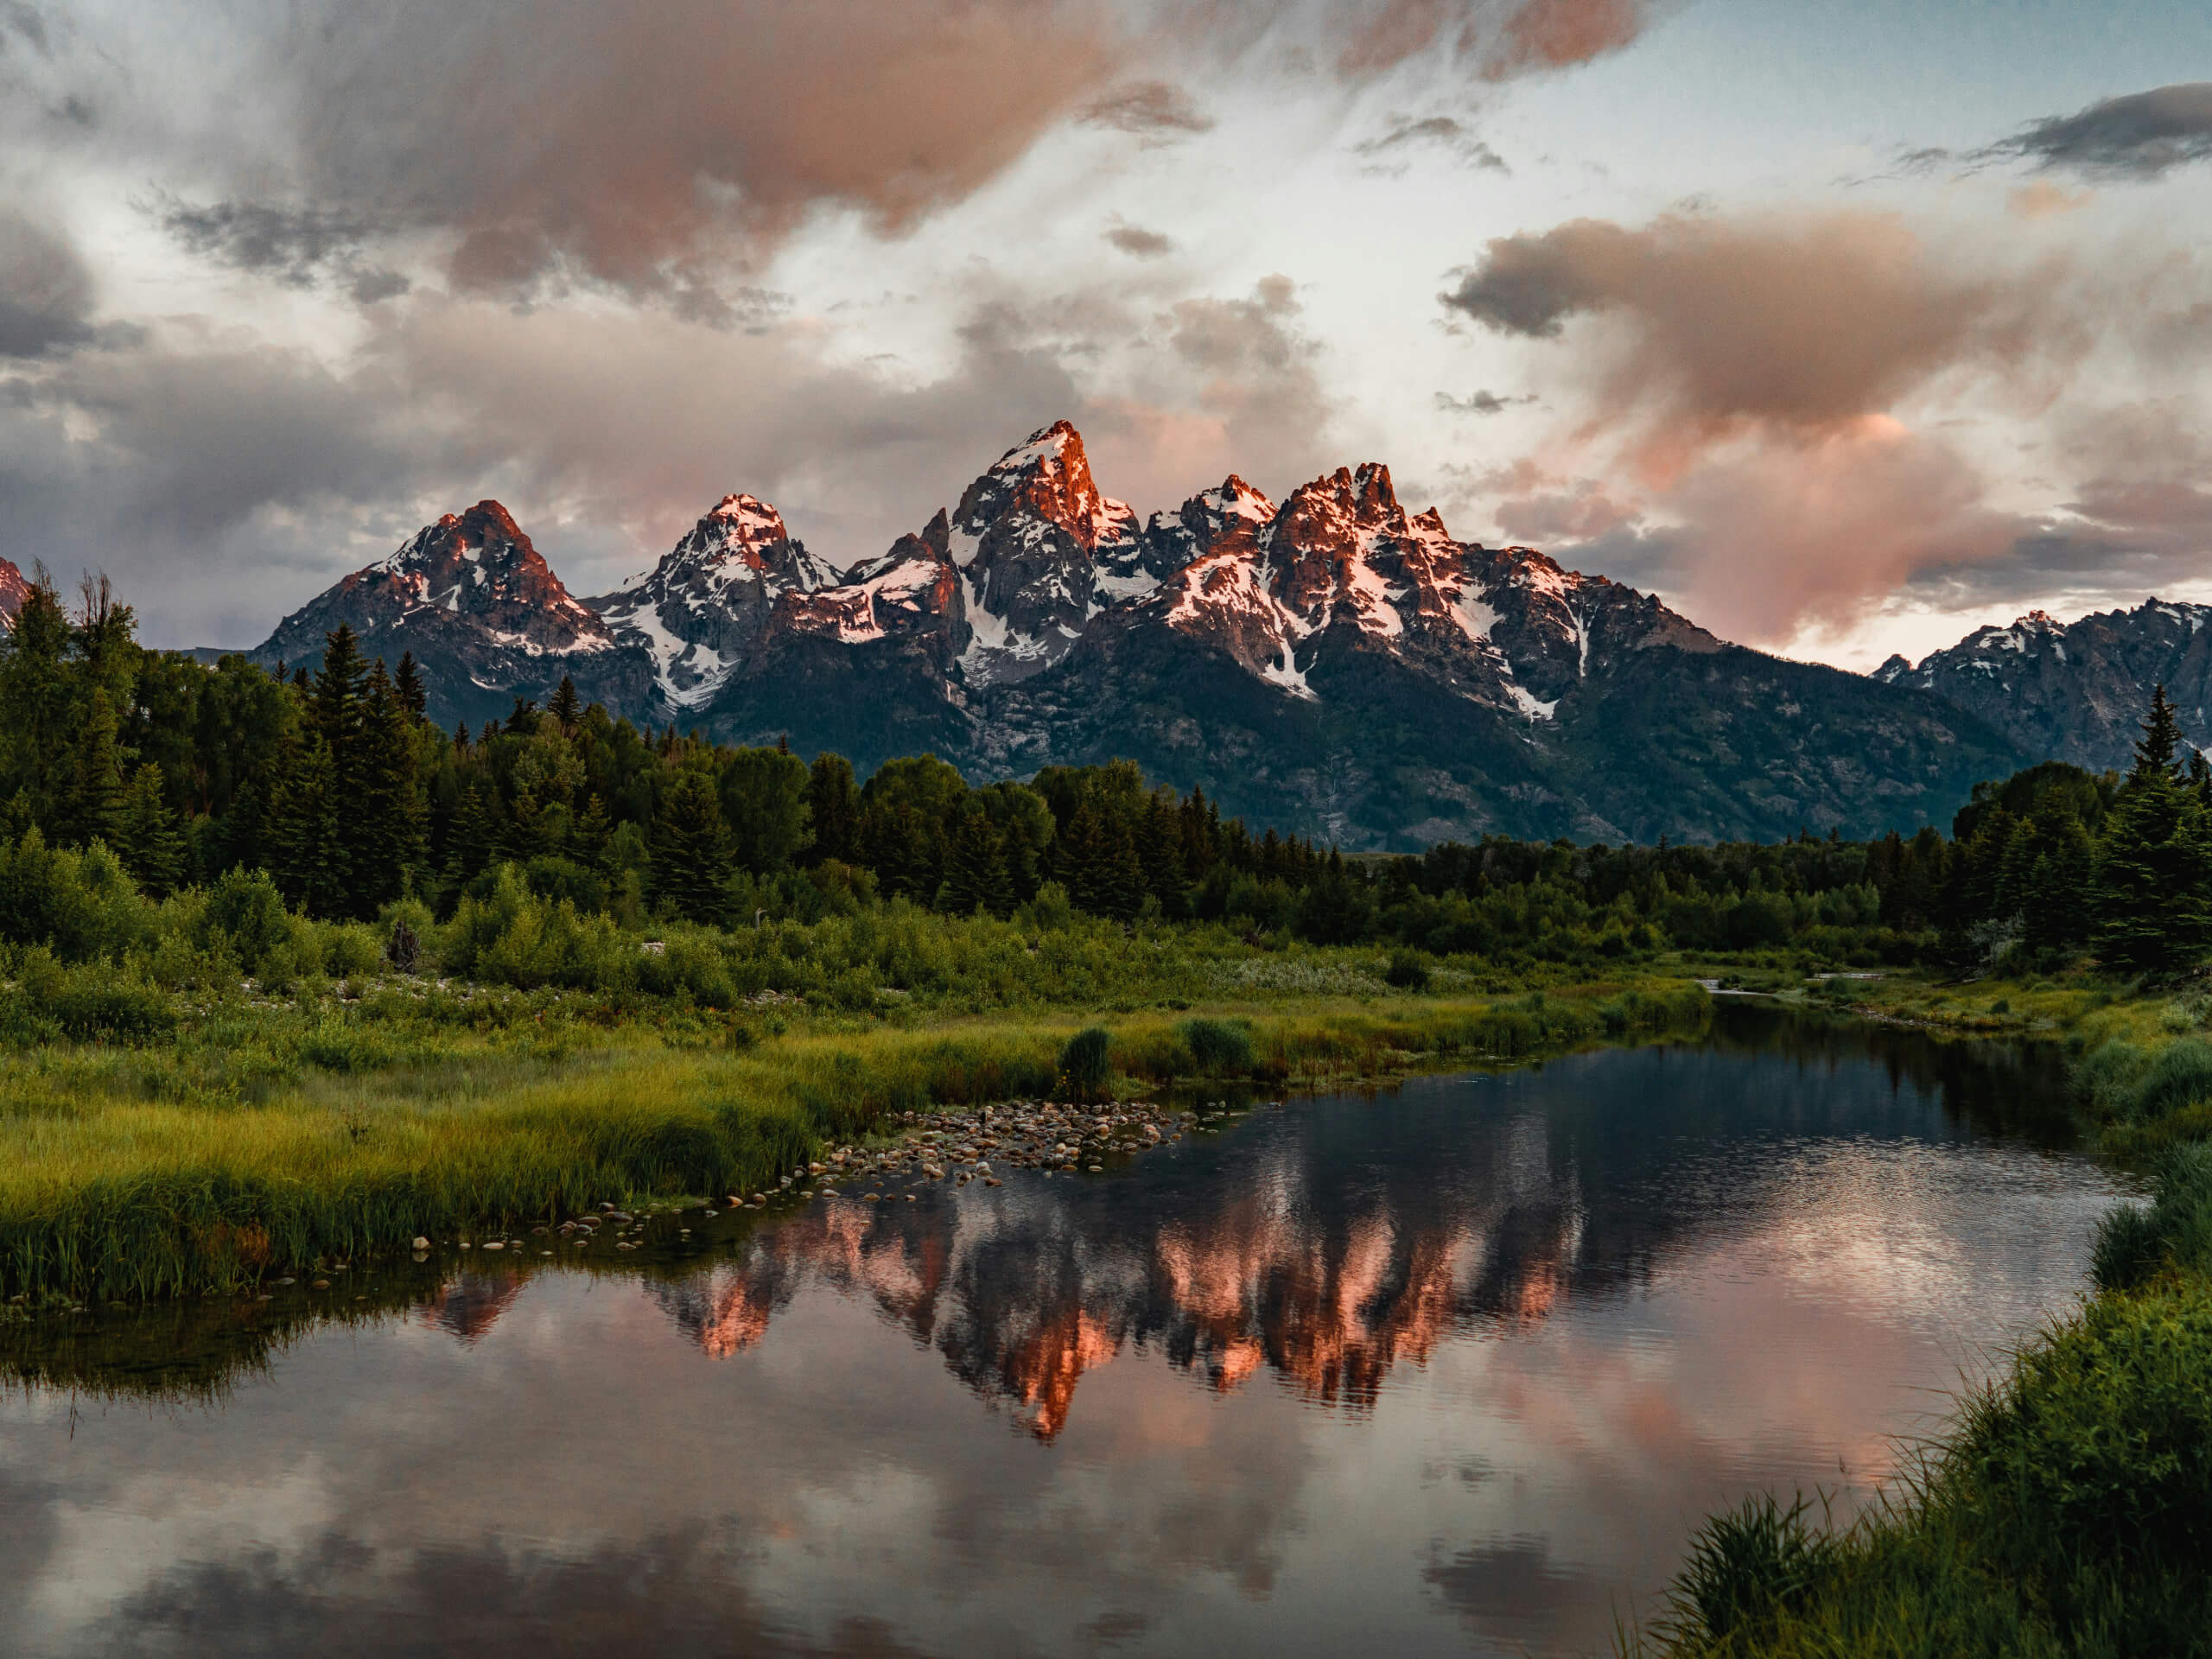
column 245, row 914
column 1086, row 1067
column 1747, row 1569
column 1409, row 971
column 1219, row 1047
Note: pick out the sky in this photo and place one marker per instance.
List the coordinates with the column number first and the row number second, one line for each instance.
column 1843, row 329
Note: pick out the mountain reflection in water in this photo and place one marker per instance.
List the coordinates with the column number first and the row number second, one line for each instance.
column 1456, row 1365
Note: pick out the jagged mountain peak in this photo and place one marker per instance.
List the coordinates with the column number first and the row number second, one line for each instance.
column 712, row 596
column 481, row 563
column 1047, row 476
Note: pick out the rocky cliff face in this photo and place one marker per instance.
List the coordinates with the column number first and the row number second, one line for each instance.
column 707, row 605
column 2077, row 690
column 485, row 616
column 1334, row 664
column 13, row 589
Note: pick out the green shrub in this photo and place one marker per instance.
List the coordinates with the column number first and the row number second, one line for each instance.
column 2135, row 1244
column 1409, row 970
column 245, row 914
column 82, row 905
column 2180, row 1075
column 1085, row 1065
column 1218, row 1047
column 1748, row 1567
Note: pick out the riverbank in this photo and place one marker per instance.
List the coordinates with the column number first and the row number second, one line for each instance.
column 2068, row 1508
column 248, row 1139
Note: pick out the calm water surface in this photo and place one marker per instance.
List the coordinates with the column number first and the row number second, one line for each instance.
column 1453, row 1369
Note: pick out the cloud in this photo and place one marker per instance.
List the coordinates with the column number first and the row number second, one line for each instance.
column 1139, row 243
column 2044, row 200
column 644, row 149
column 1258, row 374
column 297, row 247
column 1797, row 326
column 1158, row 110
column 1499, row 40
column 46, row 290
column 1740, row 393
column 1479, row 402
column 2139, row 136
column 1441, row 131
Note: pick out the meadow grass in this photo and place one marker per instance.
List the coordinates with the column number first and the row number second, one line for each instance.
column 258, row 1139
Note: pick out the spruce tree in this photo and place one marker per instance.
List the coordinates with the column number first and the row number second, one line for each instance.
column 2061, row 888
column 95, row 785
column 408, row 681
column 2154, row 892
column 305, row 842
column 976, row 875
column 565, row 706
column 690, row 859
column 147, row 839
column 833, row 809
column 387, row 824
column 43, row 711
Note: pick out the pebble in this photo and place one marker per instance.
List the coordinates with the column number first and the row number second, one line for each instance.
column 421, row 1244
column 320, row 1284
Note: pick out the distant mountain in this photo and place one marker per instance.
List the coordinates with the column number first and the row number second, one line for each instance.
column 13, row 590
column 2077, row 690
column 485, row 616
column 1333, row 664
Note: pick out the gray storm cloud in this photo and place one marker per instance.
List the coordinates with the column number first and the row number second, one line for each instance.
column 2139, row 136
column 46, row 289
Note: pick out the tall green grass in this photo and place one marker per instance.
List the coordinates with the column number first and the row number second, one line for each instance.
column 274, row 1137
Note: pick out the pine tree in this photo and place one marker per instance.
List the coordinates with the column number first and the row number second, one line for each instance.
column 2060, row 888
column 305, row 840
column 1160, row 851
column 43, row 711
column 147, row 837
column 588, row 836
column 976, row 875
column 690, row 858
column 833, row 807
column 388, row 824
column 565, row 706
column 95, row 785
column 408, row 681
column 2154, row 894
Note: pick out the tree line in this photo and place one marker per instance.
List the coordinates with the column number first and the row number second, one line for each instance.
column 333, row 781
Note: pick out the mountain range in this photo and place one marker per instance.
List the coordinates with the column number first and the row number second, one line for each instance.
column 1331, row 663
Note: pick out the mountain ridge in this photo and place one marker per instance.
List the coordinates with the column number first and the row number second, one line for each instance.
column 1332, row 664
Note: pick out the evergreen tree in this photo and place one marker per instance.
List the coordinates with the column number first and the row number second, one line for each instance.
column 764, row 806
column 565, row 708
column 691, row 855
column 408, row 681
column 833, row 809
column 147, row 838
column 95, row 785
column 2061, row 887
column 1160, row 851
column 40, row 705
column 388, row 822
column 478, row 828
column 2155, row 876
column 976, row 875
column 588, row 836
column 305, row 842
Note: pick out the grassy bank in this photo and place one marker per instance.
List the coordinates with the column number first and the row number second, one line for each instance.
column 2069, row 1508
column 244, row 1137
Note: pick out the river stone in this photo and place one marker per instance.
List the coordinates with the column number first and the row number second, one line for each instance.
column 421, row 1244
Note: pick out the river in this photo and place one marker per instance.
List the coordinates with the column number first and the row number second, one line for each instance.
column 1454, row 1367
